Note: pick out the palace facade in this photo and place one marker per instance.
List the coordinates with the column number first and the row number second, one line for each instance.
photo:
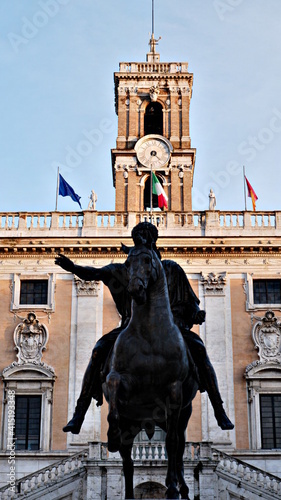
column 50, row 319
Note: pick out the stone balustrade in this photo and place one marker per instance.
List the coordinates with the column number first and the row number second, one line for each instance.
column 45, row 477
column 99, row 224
column 153, row 67
column 230, row 474
column 252, row 477
column 153, row 451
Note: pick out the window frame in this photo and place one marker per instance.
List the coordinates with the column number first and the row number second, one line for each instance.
column 249, row 290
column 261, row 380
column 27, row 380
column 271, row 396
column 16, row 287
column 26, row 292
column 27, row 433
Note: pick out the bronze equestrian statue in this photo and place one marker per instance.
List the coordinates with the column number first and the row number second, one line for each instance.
column 150, row 380
column 185, row 311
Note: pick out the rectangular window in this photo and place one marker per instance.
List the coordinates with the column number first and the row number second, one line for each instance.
column 270, row 409
column 34, row 292
column 27, row 425
column 267, row 291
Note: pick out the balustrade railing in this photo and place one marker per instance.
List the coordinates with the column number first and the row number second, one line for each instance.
column 153, row 67
column 153, row 451
column 87, row 223
column 44, row 477
column 225, row 466
column 251, row 475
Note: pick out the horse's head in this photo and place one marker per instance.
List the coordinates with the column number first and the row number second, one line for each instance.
column 143, row 270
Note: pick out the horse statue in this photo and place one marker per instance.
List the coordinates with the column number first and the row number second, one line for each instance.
column 150, row 380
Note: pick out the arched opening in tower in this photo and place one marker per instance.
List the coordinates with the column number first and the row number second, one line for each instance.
column 153, row 119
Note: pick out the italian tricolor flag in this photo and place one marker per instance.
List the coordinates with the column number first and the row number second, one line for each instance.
column 159, row 191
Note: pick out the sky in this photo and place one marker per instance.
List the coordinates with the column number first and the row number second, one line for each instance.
column 57, row 59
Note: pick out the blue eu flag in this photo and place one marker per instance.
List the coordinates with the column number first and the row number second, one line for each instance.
column 66, row 190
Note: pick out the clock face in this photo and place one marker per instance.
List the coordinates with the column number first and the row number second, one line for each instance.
column 153, row 153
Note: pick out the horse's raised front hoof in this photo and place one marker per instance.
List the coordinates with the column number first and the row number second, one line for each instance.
column 172, row 492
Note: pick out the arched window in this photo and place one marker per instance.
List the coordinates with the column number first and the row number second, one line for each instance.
column 153, row 119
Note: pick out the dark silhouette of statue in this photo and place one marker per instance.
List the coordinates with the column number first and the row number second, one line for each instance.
column 186, row 312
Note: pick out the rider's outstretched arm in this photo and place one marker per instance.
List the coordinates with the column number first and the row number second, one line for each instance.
column 84, row 272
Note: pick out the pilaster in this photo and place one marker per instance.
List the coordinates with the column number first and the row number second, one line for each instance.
column 175, row 191
column 174, row 120
column 218, row 342
column 122, row 119
column 120, row 191
column 187, row 187
column 133, row 191
column 133, row 117
column 87, row 304
column 185, row 138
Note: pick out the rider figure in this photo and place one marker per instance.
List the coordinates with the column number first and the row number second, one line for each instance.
column 186, row 313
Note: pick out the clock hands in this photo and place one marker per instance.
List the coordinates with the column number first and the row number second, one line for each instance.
column 154, row 153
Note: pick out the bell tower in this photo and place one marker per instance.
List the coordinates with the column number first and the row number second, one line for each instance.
column 152, row 101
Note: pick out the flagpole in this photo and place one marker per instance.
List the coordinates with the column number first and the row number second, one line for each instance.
column 244, row 182
column 151, row 200
column 57, row 195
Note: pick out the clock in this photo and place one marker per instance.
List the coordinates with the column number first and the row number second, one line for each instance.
column 153, row 151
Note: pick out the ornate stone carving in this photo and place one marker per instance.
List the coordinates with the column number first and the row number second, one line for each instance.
column 214, row 284
column 30, row 339
column 86, row 287
column 185, row 90
column 154, row 93
column 267, row 338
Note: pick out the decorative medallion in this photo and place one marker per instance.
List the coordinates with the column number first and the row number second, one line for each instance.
column 30, row 339
column 267, row 337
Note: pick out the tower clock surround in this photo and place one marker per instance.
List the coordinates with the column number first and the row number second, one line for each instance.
column 153, row 151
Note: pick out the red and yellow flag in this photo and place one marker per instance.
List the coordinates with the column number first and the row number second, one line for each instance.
column 251, row 193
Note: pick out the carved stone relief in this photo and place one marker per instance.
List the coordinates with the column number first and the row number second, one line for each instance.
column 30, row 338
column 214, row 284
column 86, row 287
column 267, row 338
column 154, row 92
